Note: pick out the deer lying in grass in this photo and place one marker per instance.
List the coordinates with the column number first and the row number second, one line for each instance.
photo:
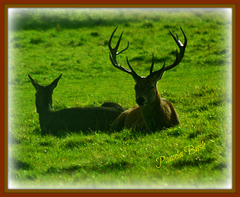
column 71, row 119
column 152, row 112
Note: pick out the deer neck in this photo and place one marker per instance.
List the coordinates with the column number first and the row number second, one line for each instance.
column 153, row 115
column 44, row 111
column 44, row 117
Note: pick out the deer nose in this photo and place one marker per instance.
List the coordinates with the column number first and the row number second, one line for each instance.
column 140, row 101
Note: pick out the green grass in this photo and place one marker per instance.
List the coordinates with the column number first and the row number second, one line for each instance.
column 74, row 43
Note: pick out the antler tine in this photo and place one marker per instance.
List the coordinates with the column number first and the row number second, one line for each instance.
column 133, row 73
column 185, row 37
column 123, row 49
column 113, row 55
column 119, row 40
column 110, row 40
column 113, row 50
column 119, row 66
column 151, row 69
column 179, row 56
column 161, row 70
column 117, row 45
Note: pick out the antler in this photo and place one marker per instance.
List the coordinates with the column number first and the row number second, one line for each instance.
column 114, row 53
column 179, row 56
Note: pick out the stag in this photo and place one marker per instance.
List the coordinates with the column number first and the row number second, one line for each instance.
column 71, row 119
column 152, row 112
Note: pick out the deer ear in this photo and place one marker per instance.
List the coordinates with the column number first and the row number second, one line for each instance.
column 34, row 83
column 55, row 82
column 157, row 76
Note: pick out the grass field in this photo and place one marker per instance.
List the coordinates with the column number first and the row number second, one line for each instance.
column 46, row 43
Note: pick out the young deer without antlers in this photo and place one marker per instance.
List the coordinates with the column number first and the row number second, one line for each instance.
column 152, row 112
column 71, row 119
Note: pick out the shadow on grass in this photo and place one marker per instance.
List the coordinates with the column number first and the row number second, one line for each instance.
column 43, row 20
column 19, row 165
column 99, row 168
column 183, row 163
column 123, row 134
column 118, row 134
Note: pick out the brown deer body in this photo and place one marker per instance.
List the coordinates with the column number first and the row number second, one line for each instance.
column 71, row 119
column 152, row 112
column 161, row 114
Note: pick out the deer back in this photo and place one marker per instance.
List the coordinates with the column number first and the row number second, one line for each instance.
column 71, row 119
column 79, row 119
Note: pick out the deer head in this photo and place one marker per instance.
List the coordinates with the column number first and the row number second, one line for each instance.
column 43, row 96
column 146, row 87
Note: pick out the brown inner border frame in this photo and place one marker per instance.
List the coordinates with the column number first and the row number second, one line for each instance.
column 233, row 6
